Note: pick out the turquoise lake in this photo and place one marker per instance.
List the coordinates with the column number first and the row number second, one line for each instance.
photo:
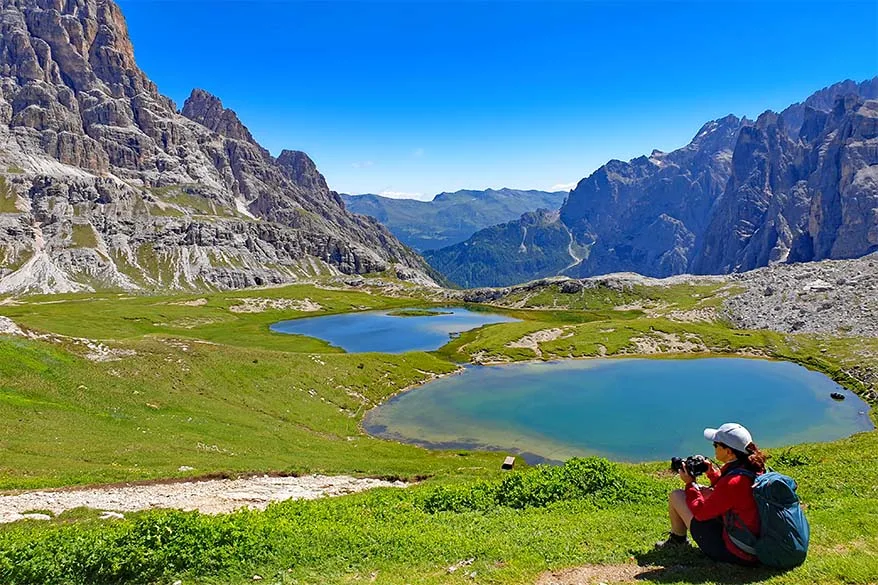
column 622, row 409
column 384, row 332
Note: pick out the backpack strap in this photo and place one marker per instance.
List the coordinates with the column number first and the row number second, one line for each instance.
column 740, row 471
column 733, row 521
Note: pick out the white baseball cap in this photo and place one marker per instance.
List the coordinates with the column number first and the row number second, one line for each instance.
column 731, row 435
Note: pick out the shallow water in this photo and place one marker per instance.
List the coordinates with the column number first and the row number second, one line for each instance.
column 623, row 409
column 383, row 332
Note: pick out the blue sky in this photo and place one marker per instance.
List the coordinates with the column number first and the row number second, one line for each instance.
column 421, row 97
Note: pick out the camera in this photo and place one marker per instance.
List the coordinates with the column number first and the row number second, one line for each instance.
column 694, row 465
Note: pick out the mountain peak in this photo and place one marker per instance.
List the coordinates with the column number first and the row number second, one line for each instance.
column 205, row 108
column 727, row 122
column 302, row 170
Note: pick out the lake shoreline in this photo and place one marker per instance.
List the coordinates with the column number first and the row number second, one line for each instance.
column 478, row 443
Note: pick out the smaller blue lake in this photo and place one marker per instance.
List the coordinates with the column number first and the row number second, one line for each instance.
column 391, row 331
column 622, row 409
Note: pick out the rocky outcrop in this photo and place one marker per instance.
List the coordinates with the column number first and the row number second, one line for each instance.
column 833, row 296
column 824, row 100
column 208, row 110
column 640, row 216
column 106, row 185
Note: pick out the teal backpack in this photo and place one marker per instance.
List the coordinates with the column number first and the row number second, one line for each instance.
column 784, row 531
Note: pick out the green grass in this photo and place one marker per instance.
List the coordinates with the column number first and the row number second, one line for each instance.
column 83, row 236
column 513, row 527
column 185, row 198
column 601, row 298
column 417, row 313
column 212, row 388
column 12, row 262
column 8, row 197
column 165, row 211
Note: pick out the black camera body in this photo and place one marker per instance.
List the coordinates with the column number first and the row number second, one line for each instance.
column 694, row 465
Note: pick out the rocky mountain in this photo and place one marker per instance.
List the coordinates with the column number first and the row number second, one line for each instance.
column 104, row 184
column 811, row 198
column 799, row 185
column 450, row 217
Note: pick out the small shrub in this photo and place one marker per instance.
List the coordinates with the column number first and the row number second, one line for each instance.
column 790, row 459
column 460, row 498
column 593, row 478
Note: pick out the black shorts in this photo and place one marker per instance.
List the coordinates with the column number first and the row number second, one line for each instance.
column 708, row 535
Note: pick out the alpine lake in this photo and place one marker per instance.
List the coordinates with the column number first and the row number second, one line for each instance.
column 624, row 409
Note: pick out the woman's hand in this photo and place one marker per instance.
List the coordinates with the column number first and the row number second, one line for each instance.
column 685, row 477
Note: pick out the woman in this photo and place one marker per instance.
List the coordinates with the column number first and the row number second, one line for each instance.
column 705, row 511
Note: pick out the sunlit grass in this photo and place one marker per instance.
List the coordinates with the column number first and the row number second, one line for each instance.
column 210, row 387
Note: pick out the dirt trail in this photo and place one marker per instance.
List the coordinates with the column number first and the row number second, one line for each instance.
column 211, row 496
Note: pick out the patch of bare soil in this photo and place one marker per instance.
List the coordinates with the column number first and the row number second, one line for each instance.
column 705, row 315
column 531, row 341
column 194, row 303
column 630, row 573
column 597, row 574
column 652, row 310
column 8, row 327
column 660, row 342
column 260, row 305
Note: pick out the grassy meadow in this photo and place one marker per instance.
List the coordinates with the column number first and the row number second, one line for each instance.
column 116, row 388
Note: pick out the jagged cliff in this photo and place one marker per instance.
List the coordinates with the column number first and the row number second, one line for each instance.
column 103, row 184
column 796, row 186
column 645, row 215
column 798, row 196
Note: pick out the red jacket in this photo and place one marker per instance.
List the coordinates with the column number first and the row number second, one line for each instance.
column 733, row 493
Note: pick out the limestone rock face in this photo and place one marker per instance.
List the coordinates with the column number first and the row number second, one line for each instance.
column 810, row 198
column 103, row 184
column 643, row 216
column 208, row 110
column 824, row 100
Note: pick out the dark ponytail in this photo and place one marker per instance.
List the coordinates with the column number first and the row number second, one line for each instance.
column 753, row 459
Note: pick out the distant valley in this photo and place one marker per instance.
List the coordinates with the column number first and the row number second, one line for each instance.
column 450, row 218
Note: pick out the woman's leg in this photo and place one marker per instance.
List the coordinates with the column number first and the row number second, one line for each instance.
column 679, row 512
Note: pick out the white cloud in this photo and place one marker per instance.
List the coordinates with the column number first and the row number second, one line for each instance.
column 403, row 195
column 563, row 186
column 362, row 164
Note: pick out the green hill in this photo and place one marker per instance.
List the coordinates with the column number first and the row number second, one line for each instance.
column 535, row 246
column 450, row 217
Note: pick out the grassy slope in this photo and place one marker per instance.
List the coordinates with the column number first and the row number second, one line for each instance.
column 208, row 388
column 251, row 400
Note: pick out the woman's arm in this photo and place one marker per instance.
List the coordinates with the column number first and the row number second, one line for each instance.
column 717, row 503
column 713, row 473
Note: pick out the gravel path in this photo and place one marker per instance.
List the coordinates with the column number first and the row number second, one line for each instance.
column 210, row 496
